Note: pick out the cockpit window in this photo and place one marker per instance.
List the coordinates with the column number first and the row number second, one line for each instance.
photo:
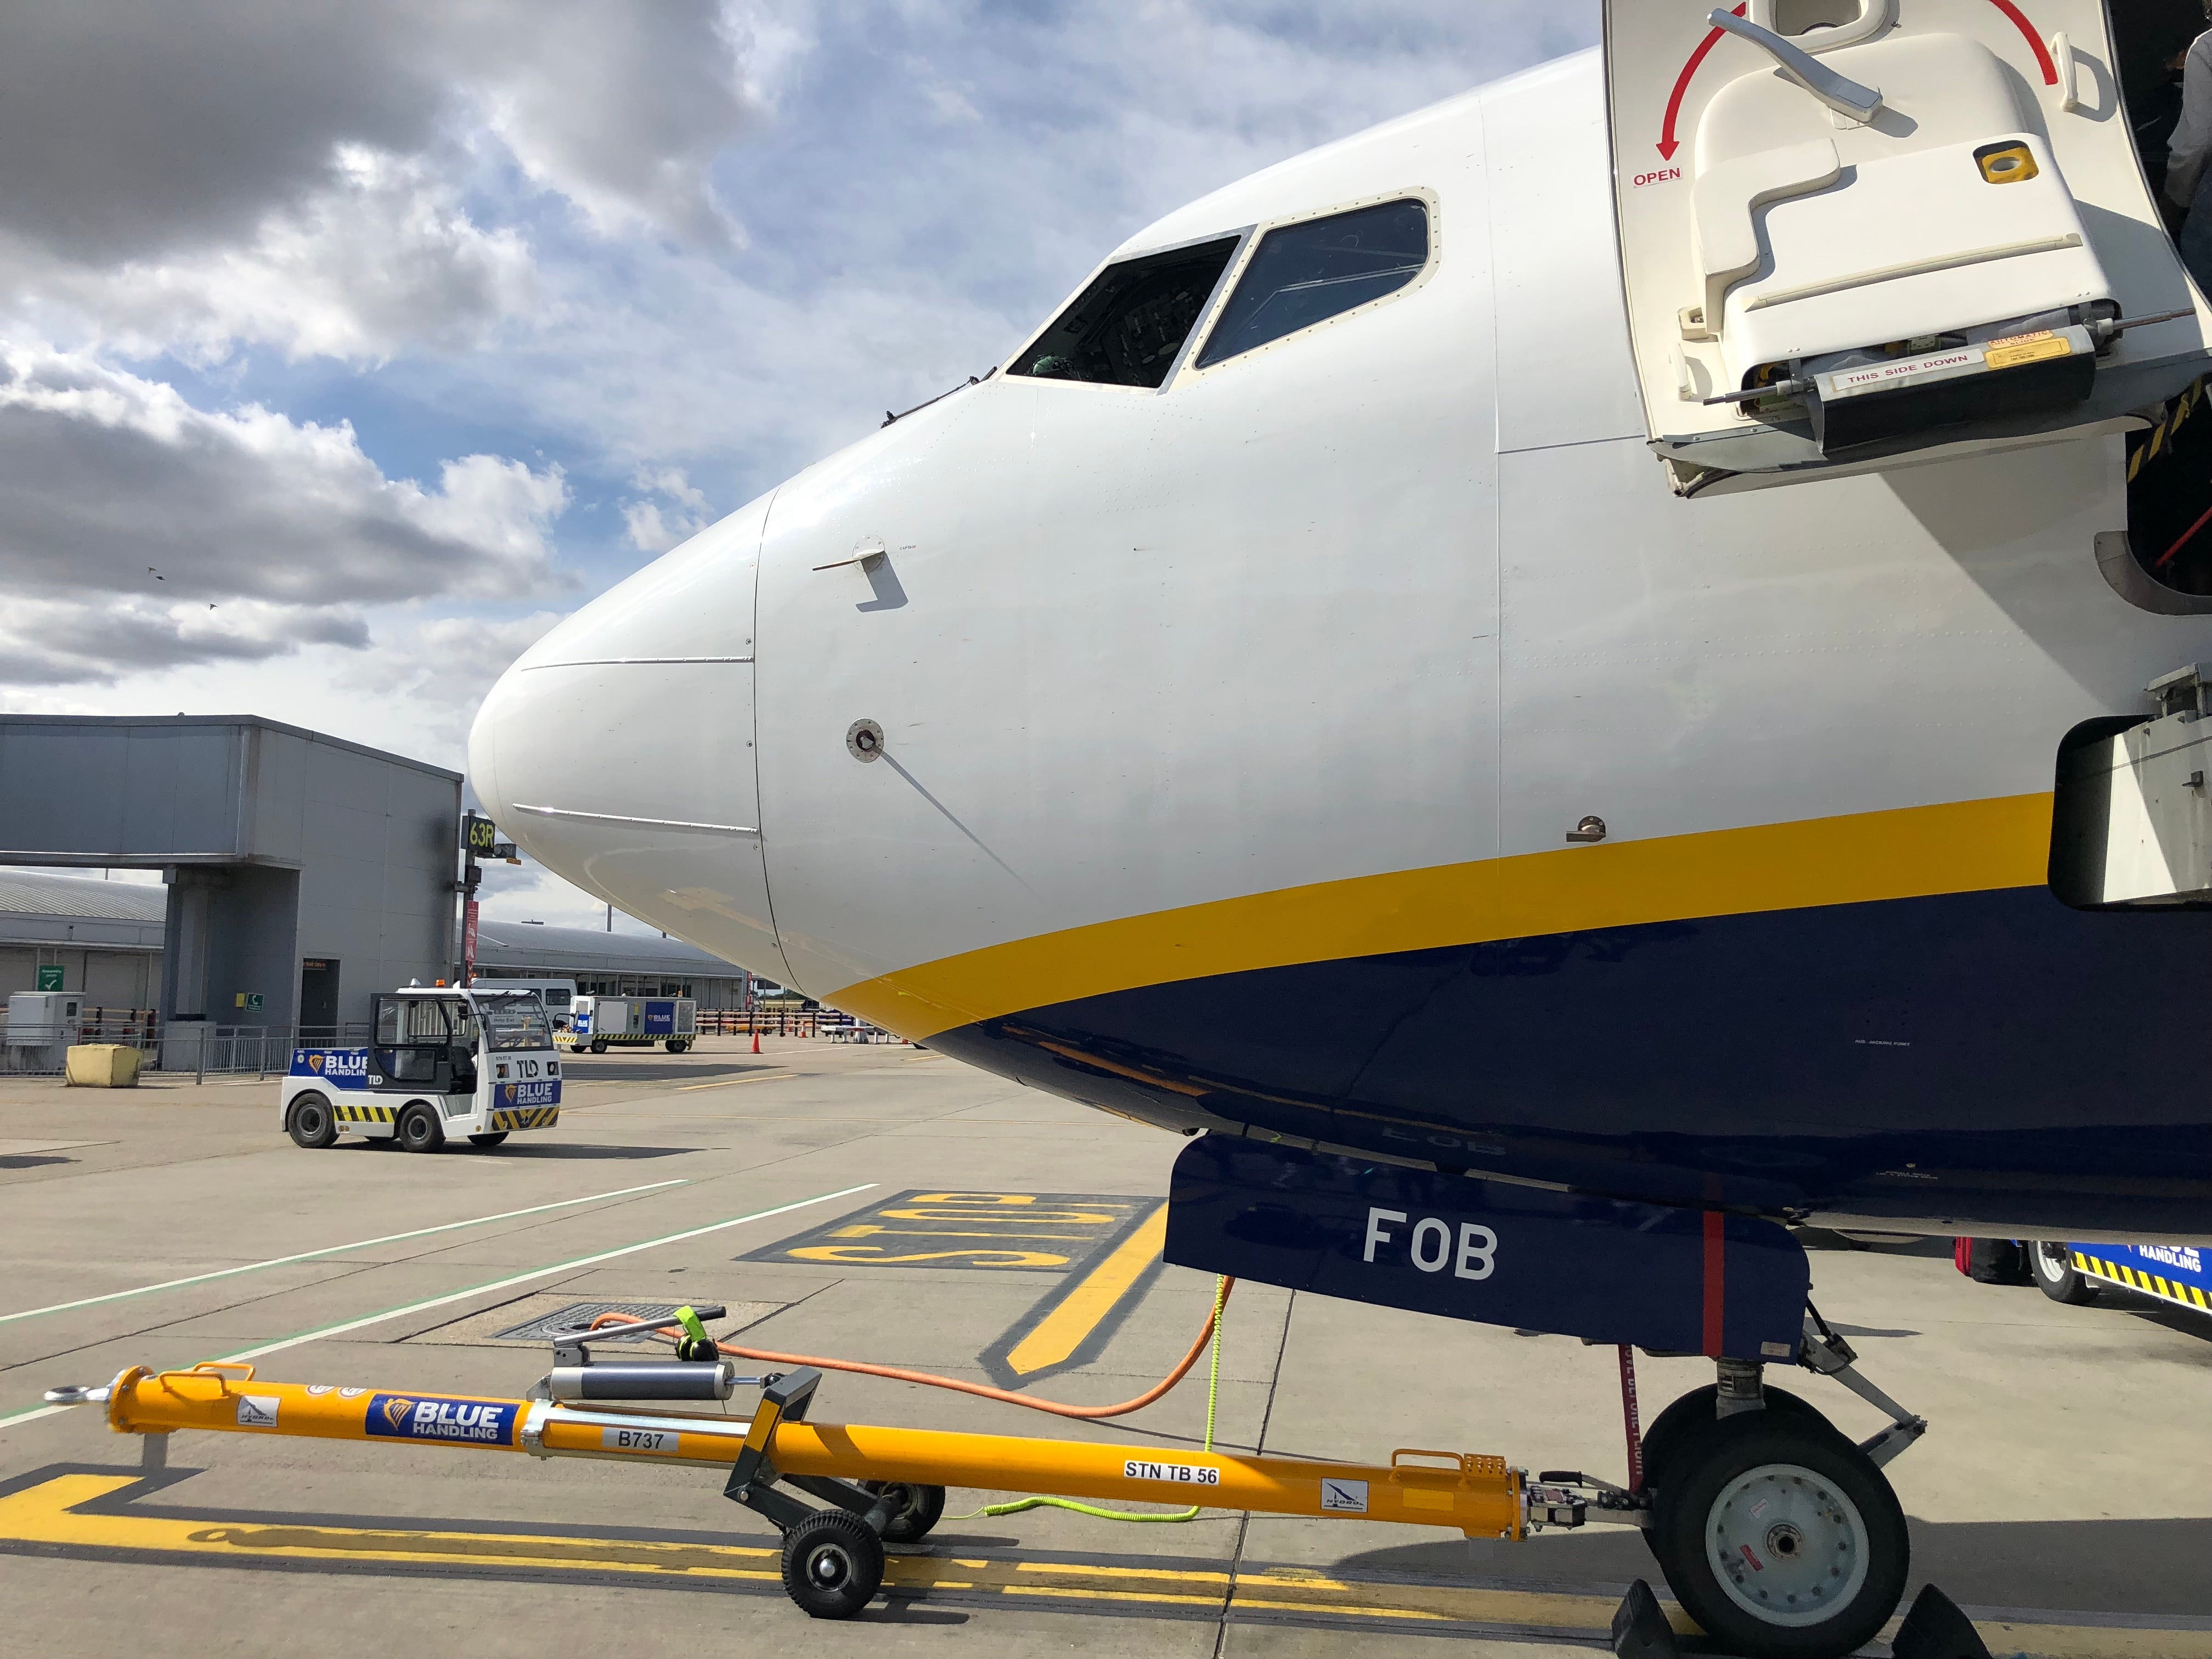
column 1129, row 326
column 1305, row 273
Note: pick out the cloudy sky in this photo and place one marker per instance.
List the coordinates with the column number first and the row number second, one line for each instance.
column 344, row 349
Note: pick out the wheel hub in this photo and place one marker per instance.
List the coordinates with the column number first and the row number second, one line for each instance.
column 829, row 1568
column 1787, row 1546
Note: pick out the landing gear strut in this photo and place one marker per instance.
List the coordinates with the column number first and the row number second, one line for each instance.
column 1778, row 1534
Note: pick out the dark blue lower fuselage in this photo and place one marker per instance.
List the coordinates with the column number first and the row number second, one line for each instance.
column 1985, row 1061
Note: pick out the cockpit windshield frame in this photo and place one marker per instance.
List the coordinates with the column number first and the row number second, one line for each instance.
column 1234, row 276
column 1242, row 236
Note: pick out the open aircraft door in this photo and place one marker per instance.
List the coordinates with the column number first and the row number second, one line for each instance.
column 1856, row 230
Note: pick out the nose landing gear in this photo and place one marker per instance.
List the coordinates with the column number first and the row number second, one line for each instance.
column 1777, row 1534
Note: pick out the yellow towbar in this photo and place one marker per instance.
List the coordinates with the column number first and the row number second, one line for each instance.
column 881, row 1483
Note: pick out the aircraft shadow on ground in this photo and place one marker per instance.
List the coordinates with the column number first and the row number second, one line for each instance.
column 564, row 1149
column 2150, row 1568
column 601, row 1071
column 1823, row 1238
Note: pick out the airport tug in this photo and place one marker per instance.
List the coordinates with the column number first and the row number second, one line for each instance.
column 445, row 1062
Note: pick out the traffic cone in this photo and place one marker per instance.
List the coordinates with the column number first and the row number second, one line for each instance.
column 756, row 1039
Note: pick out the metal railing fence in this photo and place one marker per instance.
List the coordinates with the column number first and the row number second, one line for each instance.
column 202, row 1048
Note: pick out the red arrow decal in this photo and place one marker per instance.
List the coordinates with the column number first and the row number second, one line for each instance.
column 1667, row 142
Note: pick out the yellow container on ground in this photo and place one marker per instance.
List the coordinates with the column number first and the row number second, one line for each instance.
column 103, row 1066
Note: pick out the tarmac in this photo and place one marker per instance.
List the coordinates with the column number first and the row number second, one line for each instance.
column 882, row 1203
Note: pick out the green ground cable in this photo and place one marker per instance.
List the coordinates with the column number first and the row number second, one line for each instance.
column 1212, row 1396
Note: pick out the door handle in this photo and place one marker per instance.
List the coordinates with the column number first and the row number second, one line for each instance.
column 867, row 555
column 1839, row 93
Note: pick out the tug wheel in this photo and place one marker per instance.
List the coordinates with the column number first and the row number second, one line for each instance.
column 1781, row 1539
column 832, row 1564
column 418, row 1129
column 676, row 1045
column 915, row 1507
column 489, row 1140
column 312, row 1124
column 599, row 1045
column 2056, row 1275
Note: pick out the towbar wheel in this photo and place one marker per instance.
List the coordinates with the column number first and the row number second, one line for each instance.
column 832, row 1563
column 915, row 1508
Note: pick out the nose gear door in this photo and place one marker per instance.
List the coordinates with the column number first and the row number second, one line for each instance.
column 1858, row 230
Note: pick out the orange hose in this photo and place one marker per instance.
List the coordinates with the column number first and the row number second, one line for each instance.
column 1005, row 1396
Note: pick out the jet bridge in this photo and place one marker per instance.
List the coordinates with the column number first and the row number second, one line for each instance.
column 1858, row 230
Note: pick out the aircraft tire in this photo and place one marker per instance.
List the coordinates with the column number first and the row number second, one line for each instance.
column 312, row 1123
column 418, row 1129
column 2056, row 1277
column 1686, row 1419
column 915, row 1508
column 1781, row 1538
column 832, row 1564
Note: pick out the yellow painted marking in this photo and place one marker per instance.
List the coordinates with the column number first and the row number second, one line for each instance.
column 1023, row 1222
column 1960, row 847
column 1076, row 1592
column 732, row 1081
column 47, row 1514
column 1062, row 1331
column 975, row 1256
column 862, row 1229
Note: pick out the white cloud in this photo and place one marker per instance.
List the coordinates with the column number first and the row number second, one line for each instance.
column 294, row 176
column 381, row 259
column 139, row 532
column 439, row 668
column 58, row 641
column 623, row 109
column 654, row 531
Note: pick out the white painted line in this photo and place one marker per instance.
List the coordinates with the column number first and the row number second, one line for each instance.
column 25, row 1148
column 37, row 1412
column 335, row 1249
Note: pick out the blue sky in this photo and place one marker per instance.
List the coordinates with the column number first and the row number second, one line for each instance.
column 350, row 347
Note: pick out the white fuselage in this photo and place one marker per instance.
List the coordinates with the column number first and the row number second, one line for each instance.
column 1314, row 657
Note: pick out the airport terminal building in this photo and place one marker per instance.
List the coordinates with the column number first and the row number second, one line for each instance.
column 102, row 939
column 299, row 875
column 609, row 964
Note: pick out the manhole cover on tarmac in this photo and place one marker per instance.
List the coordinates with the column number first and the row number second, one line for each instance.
column 531, row 1321
column 567, row 1318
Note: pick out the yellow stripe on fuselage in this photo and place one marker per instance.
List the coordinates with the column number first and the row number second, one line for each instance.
column 1912, row 853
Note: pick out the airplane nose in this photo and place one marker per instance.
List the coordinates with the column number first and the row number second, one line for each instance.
column 617, row 751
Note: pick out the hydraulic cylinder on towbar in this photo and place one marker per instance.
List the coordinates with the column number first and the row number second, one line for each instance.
column 1479, row 1495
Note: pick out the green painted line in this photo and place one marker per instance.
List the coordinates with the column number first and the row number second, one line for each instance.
column 334, row 1249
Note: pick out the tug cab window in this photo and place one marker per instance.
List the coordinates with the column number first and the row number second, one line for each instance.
column 1306, row 272
column 517, row 1021
column 1129, row 326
